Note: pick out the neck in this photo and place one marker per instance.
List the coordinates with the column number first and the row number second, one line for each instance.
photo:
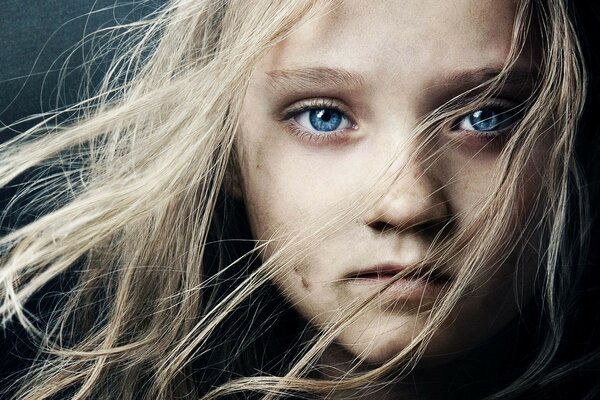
column 476, row 373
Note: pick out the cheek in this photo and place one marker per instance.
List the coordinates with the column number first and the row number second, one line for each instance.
column 278, row 203
column 289, row 201
column 274, row 198
column 291, row 189
column 470, row 181
column 505, row 280
column 266, row 191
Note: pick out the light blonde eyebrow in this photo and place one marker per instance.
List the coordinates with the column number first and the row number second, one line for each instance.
column 313, row 77
column 517, row 82
column 454, row 82
column 476, row 77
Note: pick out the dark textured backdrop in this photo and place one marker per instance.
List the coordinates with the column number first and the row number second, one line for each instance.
column 36, row 39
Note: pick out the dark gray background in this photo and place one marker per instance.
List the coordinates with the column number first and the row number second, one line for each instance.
column 36, row 38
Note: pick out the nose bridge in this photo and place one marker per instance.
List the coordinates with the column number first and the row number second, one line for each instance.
column 412, row 195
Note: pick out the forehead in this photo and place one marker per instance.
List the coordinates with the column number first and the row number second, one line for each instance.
column 386, row 39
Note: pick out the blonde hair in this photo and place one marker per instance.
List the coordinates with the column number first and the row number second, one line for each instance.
column 145, row 225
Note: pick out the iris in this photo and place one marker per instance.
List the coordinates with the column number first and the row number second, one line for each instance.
column 325, row 119
column 488, row 119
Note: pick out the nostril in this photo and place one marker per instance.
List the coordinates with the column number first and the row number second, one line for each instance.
column 381, row 226
column 430, row 228
column 412, row 204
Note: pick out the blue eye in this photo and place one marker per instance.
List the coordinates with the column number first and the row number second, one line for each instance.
column 323, row 120
column 486, row 120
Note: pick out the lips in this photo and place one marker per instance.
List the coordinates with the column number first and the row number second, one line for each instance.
column 416, row 286
column 388, row 271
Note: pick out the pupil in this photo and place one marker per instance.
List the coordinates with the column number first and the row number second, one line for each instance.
column 324, row 115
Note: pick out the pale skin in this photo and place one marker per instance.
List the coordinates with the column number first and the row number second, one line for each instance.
column 405, row 59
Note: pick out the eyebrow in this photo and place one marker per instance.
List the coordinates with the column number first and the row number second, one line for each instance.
column 311, row 77
column 475, row 77
column 323, row 77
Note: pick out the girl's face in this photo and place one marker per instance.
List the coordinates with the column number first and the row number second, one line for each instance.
column 334, row 105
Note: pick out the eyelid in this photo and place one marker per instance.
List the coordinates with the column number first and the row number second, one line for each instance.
column 309, row 104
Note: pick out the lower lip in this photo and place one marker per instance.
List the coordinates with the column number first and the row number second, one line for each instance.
column 407, row 289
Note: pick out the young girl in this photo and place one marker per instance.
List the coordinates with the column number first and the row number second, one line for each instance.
column 317, row 199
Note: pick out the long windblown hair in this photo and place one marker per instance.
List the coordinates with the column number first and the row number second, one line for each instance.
column 163, row 291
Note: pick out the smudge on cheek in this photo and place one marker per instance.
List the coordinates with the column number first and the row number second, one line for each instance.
column 304, row 283
column 303, row 280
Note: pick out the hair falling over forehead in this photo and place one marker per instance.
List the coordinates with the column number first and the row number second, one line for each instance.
column 144, row 222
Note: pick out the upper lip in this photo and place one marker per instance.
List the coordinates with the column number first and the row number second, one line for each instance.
column 422, row 272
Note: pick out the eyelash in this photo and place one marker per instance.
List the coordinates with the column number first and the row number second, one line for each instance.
column 500, row 105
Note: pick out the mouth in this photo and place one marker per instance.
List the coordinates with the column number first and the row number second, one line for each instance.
column 416, row 285
column 383, row 272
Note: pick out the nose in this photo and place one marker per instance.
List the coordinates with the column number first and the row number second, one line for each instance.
column 413, row 202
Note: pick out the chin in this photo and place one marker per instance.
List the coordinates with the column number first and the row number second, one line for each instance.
column 379, row 350
column 379, row 356
column 384, row 347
